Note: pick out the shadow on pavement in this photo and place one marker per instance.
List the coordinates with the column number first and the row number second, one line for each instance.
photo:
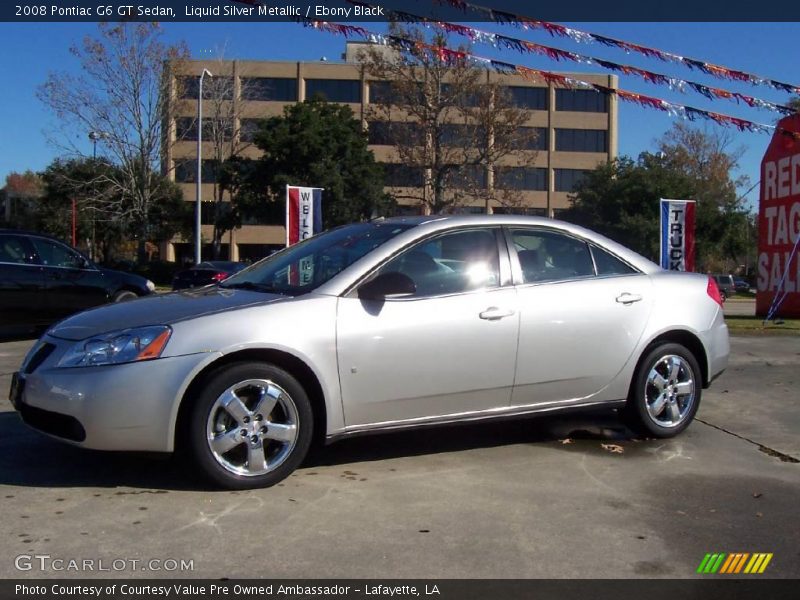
column 31, row 459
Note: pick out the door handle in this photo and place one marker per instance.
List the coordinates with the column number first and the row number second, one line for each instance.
column 493, row 313
column 627, row 298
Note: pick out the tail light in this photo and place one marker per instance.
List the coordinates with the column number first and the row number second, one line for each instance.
column 713, row 291
column 219, row 277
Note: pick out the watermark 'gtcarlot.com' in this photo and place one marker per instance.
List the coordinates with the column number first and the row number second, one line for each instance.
column 46, row 562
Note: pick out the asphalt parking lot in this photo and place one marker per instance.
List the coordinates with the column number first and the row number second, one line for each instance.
column 558, row 497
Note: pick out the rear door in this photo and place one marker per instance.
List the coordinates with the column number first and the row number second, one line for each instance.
column 21, row 284
column 582, row 312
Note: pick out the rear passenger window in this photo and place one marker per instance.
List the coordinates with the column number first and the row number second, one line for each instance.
column 551, row 256
column 608, row 264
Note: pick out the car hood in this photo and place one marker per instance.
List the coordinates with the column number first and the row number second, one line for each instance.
column 131, row 278
column 162, row 309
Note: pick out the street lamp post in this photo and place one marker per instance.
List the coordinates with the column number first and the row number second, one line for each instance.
column 198, row 224
column 94, row 136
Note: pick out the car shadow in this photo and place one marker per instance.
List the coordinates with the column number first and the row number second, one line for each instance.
column 31, row 459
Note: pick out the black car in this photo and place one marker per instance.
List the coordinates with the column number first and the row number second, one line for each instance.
column 43, row 280
column 206, row 273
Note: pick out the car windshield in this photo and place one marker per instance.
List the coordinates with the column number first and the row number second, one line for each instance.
column 303, row 267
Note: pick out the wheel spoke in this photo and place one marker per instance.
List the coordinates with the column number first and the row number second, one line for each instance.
column 281, row 432
column 684, row 388
column 673, row 412
column 234, row 406
column 225, row 441
column 256, row 459
column 267, row 400
column 658, row 405
column 674, row 369
column 658, row 380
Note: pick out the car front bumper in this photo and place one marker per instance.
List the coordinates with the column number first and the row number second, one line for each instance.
column 131, row 407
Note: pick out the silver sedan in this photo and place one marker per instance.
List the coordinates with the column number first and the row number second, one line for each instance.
column 376, row 326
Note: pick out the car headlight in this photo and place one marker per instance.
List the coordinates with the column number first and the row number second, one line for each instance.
column 127, row 345
column 150, row 286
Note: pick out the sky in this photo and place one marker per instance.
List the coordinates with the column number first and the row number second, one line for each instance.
column 31, row 51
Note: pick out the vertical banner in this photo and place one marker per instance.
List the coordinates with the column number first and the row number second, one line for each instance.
column 778, row 283
column 677, row 235
column 303, row 213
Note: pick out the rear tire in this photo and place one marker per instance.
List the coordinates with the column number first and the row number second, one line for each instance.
column 250, row 427
column 665, row 392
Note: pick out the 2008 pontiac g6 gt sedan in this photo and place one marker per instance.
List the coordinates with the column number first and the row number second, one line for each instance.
column 376, row 326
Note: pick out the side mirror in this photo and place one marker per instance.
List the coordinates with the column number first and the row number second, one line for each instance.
column 392, row 284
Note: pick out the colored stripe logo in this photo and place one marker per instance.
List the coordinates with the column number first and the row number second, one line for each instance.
column 735, row 563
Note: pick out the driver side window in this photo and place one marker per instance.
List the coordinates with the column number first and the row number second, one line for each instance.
column 452, row 263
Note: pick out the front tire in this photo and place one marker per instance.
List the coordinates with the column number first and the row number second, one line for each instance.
column 124, row 296
column 250, row 427
column 665, row 392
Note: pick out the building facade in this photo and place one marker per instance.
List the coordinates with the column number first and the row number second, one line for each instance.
column 576, row 131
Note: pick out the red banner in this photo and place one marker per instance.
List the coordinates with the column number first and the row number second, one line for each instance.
column 779, row 223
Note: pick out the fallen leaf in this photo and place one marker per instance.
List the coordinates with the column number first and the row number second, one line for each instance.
column 757, row 494
column 566, row 441
column 759, row 514
column 613, row 448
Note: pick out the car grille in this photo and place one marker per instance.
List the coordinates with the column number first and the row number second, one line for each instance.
column 62, row 426
column 39, row 357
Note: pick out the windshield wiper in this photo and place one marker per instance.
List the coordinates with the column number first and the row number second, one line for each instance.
column 251, row 286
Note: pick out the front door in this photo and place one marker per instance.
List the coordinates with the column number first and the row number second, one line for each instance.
column 449, row 348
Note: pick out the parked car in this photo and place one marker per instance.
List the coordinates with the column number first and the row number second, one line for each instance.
column 206, row 273
column 725, row 284
column 741, row 285
column 43, row 280
column 378, row 326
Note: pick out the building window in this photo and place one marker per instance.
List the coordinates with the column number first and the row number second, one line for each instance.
column 220, row 88
column 397, row 175
column 468, row 176
column 582, row 101
column 380, row 92
column 269, row 89
column 334, row 90
column 455, row 135
column 521, row 178
column 186, row 129
column 248, row 129
column 186, row 171
column 380, row 133
column 387, row 133
column 520, row 210
column 534, row 98
column 531, row 138
column 568, row 179
column 581, row 140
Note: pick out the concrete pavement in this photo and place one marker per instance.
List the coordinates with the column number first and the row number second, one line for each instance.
column 557, row 497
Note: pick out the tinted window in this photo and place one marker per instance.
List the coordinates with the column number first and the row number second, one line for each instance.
column 534, row 98
column 531, row 138
column 248, row 129
column 581, row 101
column 451, row 263
column 521, row 178
column 568, row 179
column 14, row 249
column 54, row 254
column 334, row 90
column 608, row 264
column 581, row 140
column 550, row 256
column 186, row 129
column 397, row 175
column 271, row 89
column 186, row 171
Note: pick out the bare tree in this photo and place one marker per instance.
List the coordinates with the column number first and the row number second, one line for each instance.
column 123, row 91
column 446, row 120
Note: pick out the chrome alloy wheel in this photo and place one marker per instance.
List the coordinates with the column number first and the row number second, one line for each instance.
column 670, row 391
column 252, row 427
